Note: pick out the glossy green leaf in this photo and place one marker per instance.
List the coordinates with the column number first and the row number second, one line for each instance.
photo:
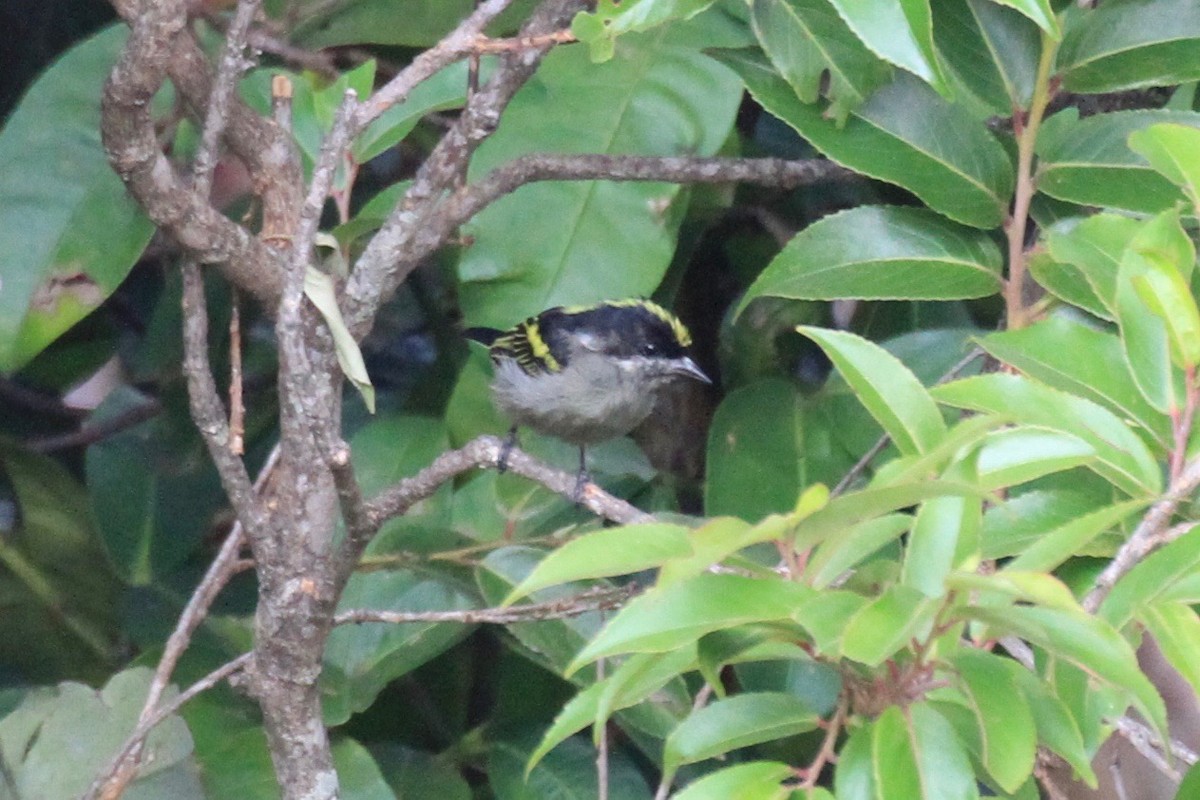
column 1176, row 631
column 600, row 27
column 359, row 776
column 1007, row 586
column 1038, row 11
column 606, row 553
column 1095, row 245
column 1145, row 334
column 410, row 23
column 1121, row 457
column 757, row 780
column 805, row 40
column 637, row 678
column 1165, row 292
column 1066, row 354
column 1172, row 150
column 915, row 753
column 668, row 618
column 1067, row 282
column 1019, row 455
column 552, row 243
column 71, row 231
column 1068, row 540
column 901, row 33
column 1007, row 734
column 1131, row 44
column 887, row 624
column 1018, row 522
column 904, row 134
column 854, row 778
column 826, row 616
column 1088, row 161
column 735, row 722
column 910, row 254
column 944, row 534
column 837, row 555
column 1004, row 77
column 1056, row 727
column 1088, row 642
column 1152, row 576
column 890, row 392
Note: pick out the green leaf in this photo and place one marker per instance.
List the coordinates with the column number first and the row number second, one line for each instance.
column 1065, row 541
column 1088, row 642
column 1095, row 245
column 1088, row 161
column 915, row 753
column 887, row 624
column 359, row 777
column 890, row 392
column 567, row 772
column 901, row 33
column 1019, row 455
column 1152, row 576
column 910, row 254
column 606, row 553
column 826, row 616
column 552, row 243
column 319, row 289
column 1007, row 734
column 600, row 28
column 734, row 722
column 1121, row 457
column 1165, row 292
column 904, row 134
column 361, row 659
column 1040, row 12
column 836, row 556
column 1129, row 45
column 445, row 89
column 855, row 775
column 90, row 725
column 71, row 231
column 760, row 780
column 1067, row 354
column 1067, row 282
column 1171, row 149
column 1144, row 333
column 1176, row 631
column 944, row 535
column 636, row 679
column 1056, row 727
column 805, row 40
column 668, row 618
column 1002, row 79
column 760, row 451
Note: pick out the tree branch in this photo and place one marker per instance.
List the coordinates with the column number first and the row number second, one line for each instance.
column 600, row 599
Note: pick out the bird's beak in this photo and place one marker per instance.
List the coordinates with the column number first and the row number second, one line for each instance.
column 687, row 368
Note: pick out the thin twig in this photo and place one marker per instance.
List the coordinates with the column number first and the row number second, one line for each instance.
column 1147, row 743
column 237, row 408
column 593, row 600
column 98, row 431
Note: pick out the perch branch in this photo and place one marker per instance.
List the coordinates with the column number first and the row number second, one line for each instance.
column 602, row 599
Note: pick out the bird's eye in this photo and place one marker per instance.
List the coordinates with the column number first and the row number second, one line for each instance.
column 649, row 349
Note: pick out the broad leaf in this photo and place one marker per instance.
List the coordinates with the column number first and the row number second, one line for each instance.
column 1088, row 161
column 1002, row 79
column 911, row 254
column 600, row 27
column 904, row 134
column 71, row 231
column 890, row 392
column 887, row 624
column 1172, row 150
column 1007, row 734
column 1095, row 245
column 916, row 753
column 901, row 33
column 552, row 243
column 761, row 780
column 1129, row 45
column 1152, row 576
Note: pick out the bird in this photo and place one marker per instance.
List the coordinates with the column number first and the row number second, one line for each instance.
column 586, row 374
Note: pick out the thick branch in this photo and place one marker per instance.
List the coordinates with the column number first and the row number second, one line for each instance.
column 127, row 129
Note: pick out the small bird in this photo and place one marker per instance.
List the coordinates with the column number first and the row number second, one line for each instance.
column 585, row 374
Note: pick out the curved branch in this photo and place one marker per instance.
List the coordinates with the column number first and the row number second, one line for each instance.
column 600, row 599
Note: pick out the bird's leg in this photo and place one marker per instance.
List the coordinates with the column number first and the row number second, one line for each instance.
column 582, row 479
column 506, row 449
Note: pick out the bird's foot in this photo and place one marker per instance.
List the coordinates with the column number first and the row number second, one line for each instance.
column 506, row 449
